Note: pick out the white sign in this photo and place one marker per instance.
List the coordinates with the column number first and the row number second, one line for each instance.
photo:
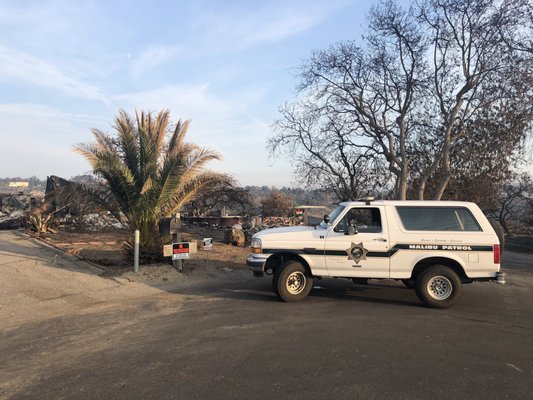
column 207, row 244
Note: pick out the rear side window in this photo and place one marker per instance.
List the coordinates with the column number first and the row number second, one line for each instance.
column 437, row 219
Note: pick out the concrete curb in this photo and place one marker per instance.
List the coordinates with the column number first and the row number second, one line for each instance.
column 89, row 265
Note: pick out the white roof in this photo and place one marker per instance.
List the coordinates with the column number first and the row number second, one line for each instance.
column 427, row 203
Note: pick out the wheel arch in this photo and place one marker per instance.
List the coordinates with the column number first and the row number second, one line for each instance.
column 454, row 265
column 276, row 259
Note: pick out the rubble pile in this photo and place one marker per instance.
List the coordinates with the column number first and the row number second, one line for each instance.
column 241, row 234
column 235, row 237
column 61, row 206
column 90, row 222
column 13, row 207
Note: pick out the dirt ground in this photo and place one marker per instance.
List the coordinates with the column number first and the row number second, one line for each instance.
column 40, row 282
column 103, row 248
column 106, row 250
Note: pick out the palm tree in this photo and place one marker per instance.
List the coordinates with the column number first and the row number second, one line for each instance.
column 149, row 172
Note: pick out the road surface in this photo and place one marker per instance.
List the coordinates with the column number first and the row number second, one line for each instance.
column 230, row 338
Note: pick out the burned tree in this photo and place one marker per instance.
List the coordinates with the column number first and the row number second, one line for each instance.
column 516, row 202
column 476, row 77
column 428, row 91
column 277, row 204
column 357, row 109
column 325, row 155
column 218, row 196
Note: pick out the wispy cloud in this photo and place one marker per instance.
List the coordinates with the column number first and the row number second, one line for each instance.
column 33, row 70
column 152, row 57
column 44, row 142
column 224, row 31
column 230, row 30
column 212, row 115
column 43, row 111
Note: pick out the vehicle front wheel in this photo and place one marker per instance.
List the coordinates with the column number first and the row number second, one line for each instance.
column 438, row 286
column 409, row 283
column 294, row 283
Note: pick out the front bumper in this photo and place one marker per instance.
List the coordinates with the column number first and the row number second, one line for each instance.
column 256, row 263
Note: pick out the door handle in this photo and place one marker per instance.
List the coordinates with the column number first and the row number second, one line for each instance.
column 380, row 240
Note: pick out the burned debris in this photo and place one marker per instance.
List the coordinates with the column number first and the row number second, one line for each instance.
column 61, row 204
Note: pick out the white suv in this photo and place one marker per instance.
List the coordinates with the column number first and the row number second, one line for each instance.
column 433, row 246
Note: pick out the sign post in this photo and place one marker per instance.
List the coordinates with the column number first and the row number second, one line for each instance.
column 178, row 250
column 176, row 238
column 207, row 245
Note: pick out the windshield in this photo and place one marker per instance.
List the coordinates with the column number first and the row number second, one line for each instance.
column 332, row 217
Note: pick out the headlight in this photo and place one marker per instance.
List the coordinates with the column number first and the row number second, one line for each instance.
column 256, row 245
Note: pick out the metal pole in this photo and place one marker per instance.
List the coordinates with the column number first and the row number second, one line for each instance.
column 176, row 238
column 136, row 252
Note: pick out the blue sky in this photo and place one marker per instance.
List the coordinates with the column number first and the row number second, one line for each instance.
column 68, row 66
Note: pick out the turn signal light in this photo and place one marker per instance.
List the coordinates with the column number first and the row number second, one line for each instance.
column 256, row 250
column 497, row 254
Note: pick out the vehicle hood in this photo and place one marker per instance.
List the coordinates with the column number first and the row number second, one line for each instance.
column 286, row 229
column 289, row 237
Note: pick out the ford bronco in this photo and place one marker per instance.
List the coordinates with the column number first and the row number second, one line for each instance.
column 431, row 246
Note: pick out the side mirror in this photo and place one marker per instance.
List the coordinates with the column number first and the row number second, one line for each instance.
column 326, row 218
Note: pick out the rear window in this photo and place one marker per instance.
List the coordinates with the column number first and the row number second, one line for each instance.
column 437, row 219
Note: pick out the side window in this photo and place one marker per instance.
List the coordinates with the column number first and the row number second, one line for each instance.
column 437, row 219
column 366, row 220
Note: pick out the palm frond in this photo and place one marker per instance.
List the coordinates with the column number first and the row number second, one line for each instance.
column 160, row 130
column 178, row 137
column 104, row 142
column 196, row 162
column 128, row 143
column 88, row 151
column 191, row 190
column 148, row 185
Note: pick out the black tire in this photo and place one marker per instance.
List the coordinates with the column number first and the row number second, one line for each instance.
column 275, row 279
column 438, row 287
column 499, row 232
column 293, row 281
column 409, row 283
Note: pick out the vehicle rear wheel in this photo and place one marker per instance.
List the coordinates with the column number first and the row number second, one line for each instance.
column 439, row 287
column 293, row 282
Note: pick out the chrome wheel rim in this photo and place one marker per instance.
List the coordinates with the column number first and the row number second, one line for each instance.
column 295, row 283
column 439, row 288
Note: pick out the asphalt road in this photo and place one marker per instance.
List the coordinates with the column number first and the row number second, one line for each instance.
column 235, row 340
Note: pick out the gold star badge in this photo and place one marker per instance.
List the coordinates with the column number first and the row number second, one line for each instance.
column 357, row 252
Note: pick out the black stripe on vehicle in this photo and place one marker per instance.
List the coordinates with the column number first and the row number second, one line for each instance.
column 392, row 251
